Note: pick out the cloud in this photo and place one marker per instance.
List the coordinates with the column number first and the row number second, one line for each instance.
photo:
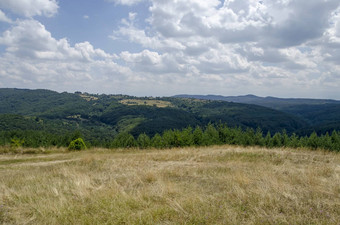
column 35, row 59
column 125, row 2
column 30, row 39
column 30, row 8
column 306, row 21
column 239, row 43
column 4, row 18
column 280, row 47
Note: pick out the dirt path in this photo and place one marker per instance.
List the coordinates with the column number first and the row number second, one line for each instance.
column 44, row 163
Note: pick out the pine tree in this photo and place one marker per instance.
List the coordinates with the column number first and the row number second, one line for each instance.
column 313, row 141
column 124, row 140
column 169, row 138
column 277, row 140
column 187, row 137
column 143, row 141
column 335, row 141
column 294, row 141
column 259, row 140
column 249, row 137
column 198, row 136
column 325, row 142
column 210, row 135
column 268, row 140
column 157, row 141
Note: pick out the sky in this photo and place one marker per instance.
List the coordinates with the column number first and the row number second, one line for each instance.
column 281, row 48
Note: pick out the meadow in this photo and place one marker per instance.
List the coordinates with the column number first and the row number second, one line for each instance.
column 201, row 185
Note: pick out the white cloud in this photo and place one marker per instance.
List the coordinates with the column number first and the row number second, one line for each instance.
column 29, row 8
column 280, row 47
column 35, row 59
column 30, row 39
column 259, row 44
column 4, row 18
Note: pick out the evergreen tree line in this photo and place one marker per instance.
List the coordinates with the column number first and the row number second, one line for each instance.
column 35, row 139
column 211, row 134
column 222, row 134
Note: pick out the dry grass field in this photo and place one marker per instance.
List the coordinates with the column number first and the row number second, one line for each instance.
column 157, row 103
column 213, row 185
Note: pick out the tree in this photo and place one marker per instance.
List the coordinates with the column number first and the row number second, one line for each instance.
column 124, row 140
column 249, row 137
column 313, row 141
column 210, row 135
column 186, row 137
column 277, row 140
column 157, row 141
column 268, row 140
column 285, row 139
column 198, row 136
column 294, row 141
column 169, row 138
column 224, row 133
column 259, row 140
column 335, row 140
column 143, row 141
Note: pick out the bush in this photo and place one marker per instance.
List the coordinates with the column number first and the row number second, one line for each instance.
column 16, row 142
column 77, row 144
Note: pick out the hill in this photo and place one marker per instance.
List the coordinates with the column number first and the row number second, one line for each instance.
column 59, row 117
column 270, row 102
column 320, row 115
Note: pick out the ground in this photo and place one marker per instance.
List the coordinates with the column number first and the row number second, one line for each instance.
column 212, row 185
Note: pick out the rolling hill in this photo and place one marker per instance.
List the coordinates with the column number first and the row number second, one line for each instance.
column 320, row 115
column 99, row 118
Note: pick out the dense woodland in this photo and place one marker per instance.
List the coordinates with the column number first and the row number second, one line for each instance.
column 34, row 118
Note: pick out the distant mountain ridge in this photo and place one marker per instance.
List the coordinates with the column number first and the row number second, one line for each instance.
column 322, row 115
column 270, row 102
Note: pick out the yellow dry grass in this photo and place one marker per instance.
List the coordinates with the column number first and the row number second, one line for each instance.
column 152, row 102
column 213, row 185
column 88, row 97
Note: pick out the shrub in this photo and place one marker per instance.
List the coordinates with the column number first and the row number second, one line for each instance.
column 77, row 144
column 16, row 142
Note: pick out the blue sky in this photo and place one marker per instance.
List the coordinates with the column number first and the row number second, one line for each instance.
column 283, row 48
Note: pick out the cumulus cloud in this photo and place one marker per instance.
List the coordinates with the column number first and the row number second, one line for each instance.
column 29, row 8
column 34, row 58
column 244, row 42
column 280, row 47
column 30, row 39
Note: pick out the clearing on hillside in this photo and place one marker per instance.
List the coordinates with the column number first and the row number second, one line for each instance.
column 152, row 102
column 213, row 185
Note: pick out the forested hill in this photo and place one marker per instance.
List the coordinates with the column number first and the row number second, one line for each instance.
column 321, row 115
column 101, row 117
column 270, row 102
